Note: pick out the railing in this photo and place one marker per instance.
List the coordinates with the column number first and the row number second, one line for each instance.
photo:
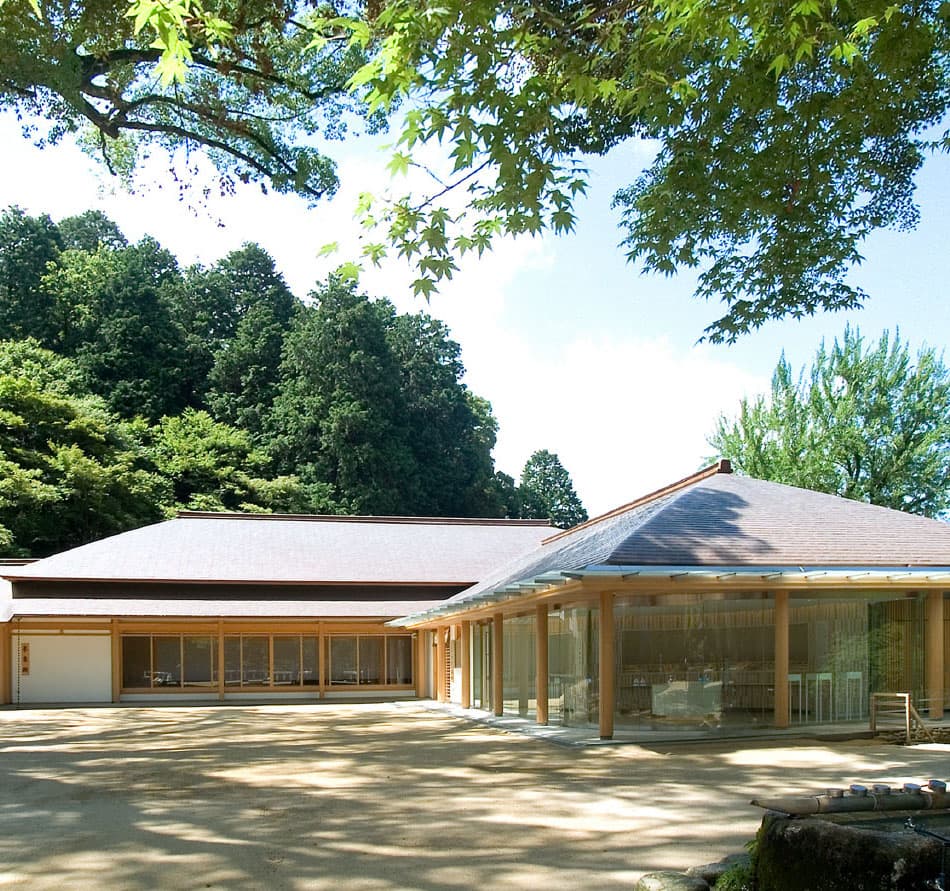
column 898, row 707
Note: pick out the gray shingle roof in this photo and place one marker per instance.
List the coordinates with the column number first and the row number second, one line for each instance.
column 722, row 520
column 302, row 550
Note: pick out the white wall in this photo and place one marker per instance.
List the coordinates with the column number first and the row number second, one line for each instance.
column 63, row 668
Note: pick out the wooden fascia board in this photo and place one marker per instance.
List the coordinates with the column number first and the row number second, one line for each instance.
column 588, row 589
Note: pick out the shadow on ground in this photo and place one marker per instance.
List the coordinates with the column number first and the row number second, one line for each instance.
column 378, row 796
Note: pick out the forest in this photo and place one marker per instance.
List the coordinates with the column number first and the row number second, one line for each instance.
column 131, row 388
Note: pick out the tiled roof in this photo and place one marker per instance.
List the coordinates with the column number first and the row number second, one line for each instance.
column 716, row 519
column 279, row 549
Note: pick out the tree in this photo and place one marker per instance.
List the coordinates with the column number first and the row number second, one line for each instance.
column 253, row 94
column 245, row 367
column 206, row 465
column 339, row 418
column 114, row 316
column 866, row 422
column 786, row 133
column 69, row 471
column 89, row 231
column 28, row 245
column 449, row 431
column 547, row 491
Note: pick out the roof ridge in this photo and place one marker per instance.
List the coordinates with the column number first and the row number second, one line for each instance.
column 721, row 466
column 350, row 518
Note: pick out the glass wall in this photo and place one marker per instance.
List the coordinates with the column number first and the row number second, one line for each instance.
column 572, row 667
column 481, row 665
column 519, row 670
column 264, row 660
column 694, row 662
column 168, row 661
column 896, row 646
column 258, row 660
column 369, row 660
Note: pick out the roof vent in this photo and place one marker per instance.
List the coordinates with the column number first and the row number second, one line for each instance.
column 725, row 466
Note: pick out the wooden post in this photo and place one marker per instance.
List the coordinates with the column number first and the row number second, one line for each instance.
column 933, row 654
column 419, row 639
column 6, row 658
column 541, row 668
column 220, row 660
column 780, row 681
column 465, row 655
column 498, row 664
column 606, row 667
column 116, row 641
column 322, row 659
column 442, row 694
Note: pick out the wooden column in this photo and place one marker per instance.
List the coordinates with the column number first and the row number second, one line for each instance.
column 498, row 664
column 606, row 679
column 116, row 640
column 6, row 657
column 220, row 660
column 933, row 653
column 322, row 658
column 419, row 640
column 441, row 693
column 465, row 655
column 780, row 681
column 541, row 658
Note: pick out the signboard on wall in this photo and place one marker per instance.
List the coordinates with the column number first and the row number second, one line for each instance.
column 25, row 659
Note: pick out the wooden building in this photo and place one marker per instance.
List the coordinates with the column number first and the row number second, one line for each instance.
column 238, row 606
column 719, row 601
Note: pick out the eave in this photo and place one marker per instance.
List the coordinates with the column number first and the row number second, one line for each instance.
column 578, row 585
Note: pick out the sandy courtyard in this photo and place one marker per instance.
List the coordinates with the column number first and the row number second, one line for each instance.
column 378, row 796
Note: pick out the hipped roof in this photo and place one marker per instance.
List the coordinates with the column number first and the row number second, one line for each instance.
column 300, row 550
column 715, row 519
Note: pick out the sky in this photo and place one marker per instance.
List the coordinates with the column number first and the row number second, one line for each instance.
column 578, row 351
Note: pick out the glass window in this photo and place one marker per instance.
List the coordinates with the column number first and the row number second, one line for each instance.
column 371, row 660
column 573, row 679
column 137, row 661
column 166, row 661
column 519, row 639
column 232, row 661
column 286, row 661
column 341, row 656
column 399, row 660
column 255, row 668
column 201, row 661
column 311, row 670
column 696, row 662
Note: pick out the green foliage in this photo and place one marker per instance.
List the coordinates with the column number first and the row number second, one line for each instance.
column 866, row 422
column 115, row 318
column 245, row 366
column 547, row 492
column 787, row 132
column 68, row 470
column 211, row 466
column 28, row 245
column 450, row 432
column 147, row 389
column 247, row 88
column 371, row 403
column 90, row 231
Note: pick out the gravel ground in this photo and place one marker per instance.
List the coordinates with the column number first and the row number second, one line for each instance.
column 379, row 796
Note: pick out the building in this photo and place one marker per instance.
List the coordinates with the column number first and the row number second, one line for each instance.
column 719, row 601
column 234, row 606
